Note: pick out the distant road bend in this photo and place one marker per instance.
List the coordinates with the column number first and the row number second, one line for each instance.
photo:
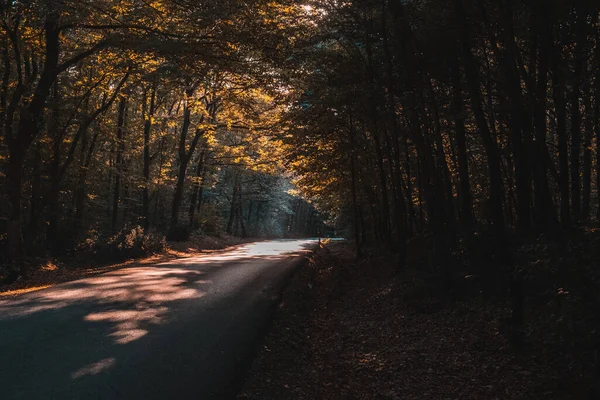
column 183, row 329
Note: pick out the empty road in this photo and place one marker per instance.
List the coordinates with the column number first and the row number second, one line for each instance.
column 183, row 329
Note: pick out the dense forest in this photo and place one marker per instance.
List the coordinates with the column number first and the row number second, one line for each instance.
column 393, row 118
column 468, row 127
column 138, row 119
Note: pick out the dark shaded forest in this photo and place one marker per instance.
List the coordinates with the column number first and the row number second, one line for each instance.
column 466, row 132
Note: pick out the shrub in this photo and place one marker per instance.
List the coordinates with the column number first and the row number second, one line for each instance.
column 130, row 242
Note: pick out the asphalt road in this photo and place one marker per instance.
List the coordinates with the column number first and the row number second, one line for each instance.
column 184, row 329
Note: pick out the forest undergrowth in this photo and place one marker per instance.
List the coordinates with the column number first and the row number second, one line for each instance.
column 350, row 329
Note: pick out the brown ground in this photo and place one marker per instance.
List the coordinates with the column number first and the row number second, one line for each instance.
column 45, row 272
column 359, row 331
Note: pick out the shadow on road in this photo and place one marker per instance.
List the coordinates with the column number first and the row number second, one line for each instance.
column 118, row 333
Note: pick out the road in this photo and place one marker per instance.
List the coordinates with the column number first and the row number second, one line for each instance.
column 183, row 329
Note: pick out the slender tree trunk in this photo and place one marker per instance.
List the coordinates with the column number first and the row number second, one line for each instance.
column 357, row 243
column 185, row 155
column 196, row 189
column 520, row 128
column 36, row 203
column 561, row 131
column 80, row 192
column 466, row 201
column 148, row 116
column 14, row 181
column 576, row 119
column 233, row 206
column 376, row 134
column 587, row 156
column 201, row 189
column 409, row 189
column 120, row 147
column 394, row 150
column 444, row 173
column 240, row 212
column 57, row 138
column 490, row 144
column 596, row 116
column 544, row 205
column 178, row 195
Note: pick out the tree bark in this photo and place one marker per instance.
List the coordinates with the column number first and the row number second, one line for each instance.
column 466, row 201
column 546, row 218
column 561, row 132
column 194, row 201
column 148, row 115
column 357, row 242
column 120, row 148
column 576, row 118
column 27, row 130
column 186, row 155
column 490, row 144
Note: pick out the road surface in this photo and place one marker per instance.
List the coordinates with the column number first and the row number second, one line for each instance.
column 184, row 329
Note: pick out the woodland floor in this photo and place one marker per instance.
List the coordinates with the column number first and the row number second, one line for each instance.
column 347, row 330
column 47, row 271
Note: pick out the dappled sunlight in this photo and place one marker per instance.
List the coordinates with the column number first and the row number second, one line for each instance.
column 127, row 286
column 266, row 250
column 16, row 292
column 96, row 329
column 49, row 266
column 128, row 322
column 169, row 281
column 94, row 368
column 139, row 296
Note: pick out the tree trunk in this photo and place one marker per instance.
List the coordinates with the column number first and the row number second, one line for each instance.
column 36, row 203
column 466, row 202
column 544, row 205
column 196, row 189
column 561, row 131
column 587, row 157
column 148, row 116
column 394, row 150
column 186, row 155
column 357, row 243
column 233, row 206
column 120, row 146
column 596, row 116
column 490, row 144
column 14, row 179
column 27, row 130
column 576, row 119
column 520, row 128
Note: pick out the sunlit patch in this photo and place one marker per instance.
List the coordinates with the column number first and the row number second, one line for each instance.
column 49, row 266
column 129, row 335
column 94, row 369
column 272, row 249
column 23, row 291
column 128, row 322
column 137, row 298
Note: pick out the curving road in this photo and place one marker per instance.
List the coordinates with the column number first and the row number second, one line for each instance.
column 184, row 329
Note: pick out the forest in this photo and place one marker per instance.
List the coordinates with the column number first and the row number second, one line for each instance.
column 392, row 119
column 143, row 119
column 469, row 128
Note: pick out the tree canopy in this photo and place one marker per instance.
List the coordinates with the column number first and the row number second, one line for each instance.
column 389, row 119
